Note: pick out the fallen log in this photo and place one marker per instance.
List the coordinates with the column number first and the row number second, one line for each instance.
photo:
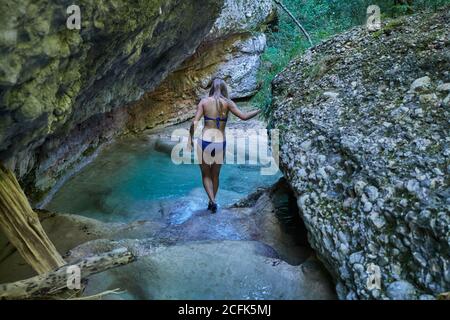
column 49, row 283
column 22, row 227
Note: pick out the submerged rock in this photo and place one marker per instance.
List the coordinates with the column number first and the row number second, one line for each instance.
column 372, row 165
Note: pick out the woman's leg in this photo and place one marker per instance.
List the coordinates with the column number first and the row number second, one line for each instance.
column 206, row 172
column 207, row 181
column 206, row 169
column 215, row 172
column 215, row 167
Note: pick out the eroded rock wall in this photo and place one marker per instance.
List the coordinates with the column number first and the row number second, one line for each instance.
column 230, row 51
column 235, row 59
column 53, row 78
column 364, row 120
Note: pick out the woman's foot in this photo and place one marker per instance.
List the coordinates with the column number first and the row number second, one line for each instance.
column 210, row 205
column 213, row 207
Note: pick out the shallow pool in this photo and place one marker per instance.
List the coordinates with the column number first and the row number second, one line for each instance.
column 129, row 180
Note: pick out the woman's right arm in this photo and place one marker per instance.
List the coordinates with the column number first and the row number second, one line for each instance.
column 194, row 124
column 241, row 115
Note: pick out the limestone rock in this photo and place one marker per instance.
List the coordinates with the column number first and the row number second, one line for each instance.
column 231, row 51
column 445, row 87
column 331, row 95
column 387, row 147
column 401, row 290
column 241, row 16
column 178, row 272
column 421, row 84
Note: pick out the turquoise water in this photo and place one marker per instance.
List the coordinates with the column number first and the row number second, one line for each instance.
column 129, row 180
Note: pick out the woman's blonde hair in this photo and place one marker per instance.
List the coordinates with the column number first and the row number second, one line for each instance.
column 219, row 89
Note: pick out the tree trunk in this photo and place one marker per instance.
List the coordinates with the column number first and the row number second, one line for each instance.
column 49, row 283
column 22, row 227
column 278, row 2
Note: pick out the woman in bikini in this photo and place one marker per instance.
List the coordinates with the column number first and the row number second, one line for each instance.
column 212, row 144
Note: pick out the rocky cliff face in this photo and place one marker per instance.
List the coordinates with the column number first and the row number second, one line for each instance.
column 364, row 120
column 65, row 92
column 230, row 51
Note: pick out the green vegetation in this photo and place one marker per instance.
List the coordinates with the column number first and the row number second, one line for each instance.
column 322, row 19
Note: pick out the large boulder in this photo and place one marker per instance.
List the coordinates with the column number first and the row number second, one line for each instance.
column 241, row 16
column 365, row 145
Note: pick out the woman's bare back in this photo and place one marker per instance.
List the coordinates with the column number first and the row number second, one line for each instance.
column 215, row 112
